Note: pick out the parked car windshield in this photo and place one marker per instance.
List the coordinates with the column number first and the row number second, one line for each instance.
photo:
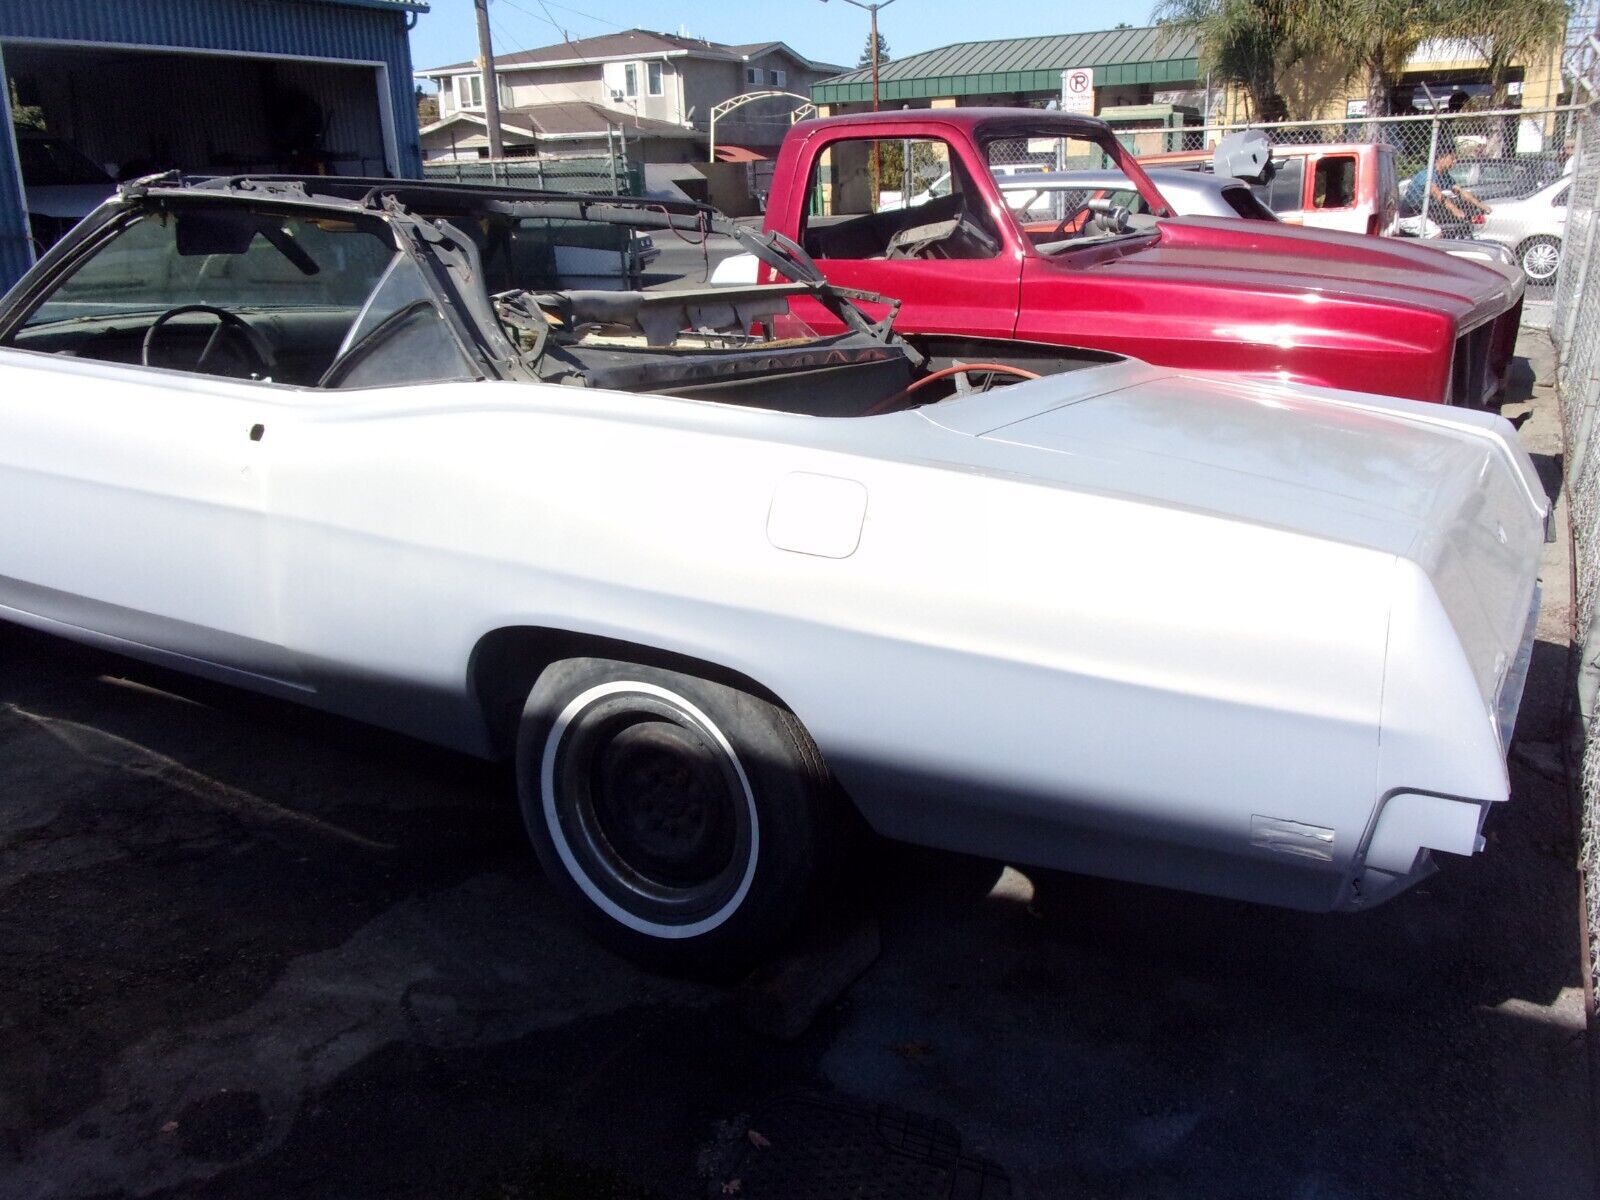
column 51, row 162
column 234, row 260
column 1057, row 219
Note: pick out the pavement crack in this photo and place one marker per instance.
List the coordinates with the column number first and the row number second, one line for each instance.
column 119, row 754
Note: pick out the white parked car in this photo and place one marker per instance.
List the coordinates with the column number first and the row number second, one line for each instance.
column 1188, row 193
column 717, row 584
column 1532, row 228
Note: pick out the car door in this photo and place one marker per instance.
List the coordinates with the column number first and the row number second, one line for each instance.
column 142, row 499
column 133, row 424
column 905, row 218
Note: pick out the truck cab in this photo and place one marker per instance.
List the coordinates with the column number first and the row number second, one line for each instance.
column 908, row 205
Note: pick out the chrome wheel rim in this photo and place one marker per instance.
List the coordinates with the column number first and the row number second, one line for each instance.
column 649, row 809
column 1541, row 260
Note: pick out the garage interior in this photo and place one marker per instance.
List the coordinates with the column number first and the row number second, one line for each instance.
column 134, row 112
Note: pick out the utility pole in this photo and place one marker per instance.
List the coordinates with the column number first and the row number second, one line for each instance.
column 491, row 83
column 872, row 42
column 872, row 47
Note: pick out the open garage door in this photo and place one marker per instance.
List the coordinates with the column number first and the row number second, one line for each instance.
column 85, row 117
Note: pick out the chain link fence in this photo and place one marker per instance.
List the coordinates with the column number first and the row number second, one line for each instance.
column 1575, row 330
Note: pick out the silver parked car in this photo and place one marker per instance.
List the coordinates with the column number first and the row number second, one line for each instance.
column 1059, row 196
column 1190, row 193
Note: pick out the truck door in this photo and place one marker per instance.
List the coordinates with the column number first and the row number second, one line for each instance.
column 905, row 217
column 1338, row 199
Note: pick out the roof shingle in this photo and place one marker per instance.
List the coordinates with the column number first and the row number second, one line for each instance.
column 1158, row 49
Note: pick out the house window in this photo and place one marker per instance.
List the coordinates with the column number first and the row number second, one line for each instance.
column 470, row 90
column 776, row 78
column 630, row 79
column 652, row 72
column 752, row 74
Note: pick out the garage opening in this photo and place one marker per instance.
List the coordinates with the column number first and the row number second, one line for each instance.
column 85, row 118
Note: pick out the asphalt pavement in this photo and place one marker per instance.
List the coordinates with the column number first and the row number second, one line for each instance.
column 247, row 950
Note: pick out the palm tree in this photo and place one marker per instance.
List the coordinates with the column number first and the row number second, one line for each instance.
column 1249, row 42
column 1246, row 42
column 1509, row 32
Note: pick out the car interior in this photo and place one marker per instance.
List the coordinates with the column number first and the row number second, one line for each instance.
column 853, row 217
column 328, row 300
column 226, row 291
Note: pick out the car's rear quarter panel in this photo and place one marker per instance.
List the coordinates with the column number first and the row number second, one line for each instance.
column 1003, row 667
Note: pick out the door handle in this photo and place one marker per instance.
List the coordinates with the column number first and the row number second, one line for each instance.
column 256, row 432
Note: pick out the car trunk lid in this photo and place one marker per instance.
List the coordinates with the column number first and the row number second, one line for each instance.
column 1452, row 491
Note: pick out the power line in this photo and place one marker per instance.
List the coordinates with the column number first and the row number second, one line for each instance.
column 553, row 23
column 569, row 106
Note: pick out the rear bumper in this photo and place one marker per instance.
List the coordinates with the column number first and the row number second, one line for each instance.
column 1409, row 827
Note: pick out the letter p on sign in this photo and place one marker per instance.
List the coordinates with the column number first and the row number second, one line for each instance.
column 1077, row 90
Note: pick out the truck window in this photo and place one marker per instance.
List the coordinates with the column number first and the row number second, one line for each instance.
column 894, row 198
column 1286, row 191
column 1334, row 185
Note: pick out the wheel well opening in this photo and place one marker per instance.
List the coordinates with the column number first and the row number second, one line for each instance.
column 505, row 664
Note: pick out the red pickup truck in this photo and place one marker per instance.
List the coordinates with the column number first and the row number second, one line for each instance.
column 906, row 204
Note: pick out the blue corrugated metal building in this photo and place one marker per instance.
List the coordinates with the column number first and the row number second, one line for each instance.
column 110, row 88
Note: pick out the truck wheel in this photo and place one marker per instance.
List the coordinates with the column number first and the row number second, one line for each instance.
column 1540, row 258
column 685, row 821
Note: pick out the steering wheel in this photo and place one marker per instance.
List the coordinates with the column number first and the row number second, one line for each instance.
column 254, row 341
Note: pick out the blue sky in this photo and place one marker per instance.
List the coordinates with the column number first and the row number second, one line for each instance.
column 830, row 32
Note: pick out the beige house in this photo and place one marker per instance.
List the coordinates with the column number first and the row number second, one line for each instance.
column 648, row 95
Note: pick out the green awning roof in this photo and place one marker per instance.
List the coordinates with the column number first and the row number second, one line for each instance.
column 1150, row 54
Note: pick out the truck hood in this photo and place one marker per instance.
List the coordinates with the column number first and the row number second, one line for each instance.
column 1270, row 257
column 1452, row 491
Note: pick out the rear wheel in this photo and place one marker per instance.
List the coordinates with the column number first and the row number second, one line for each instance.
column 686, row 822
column 1540, row 258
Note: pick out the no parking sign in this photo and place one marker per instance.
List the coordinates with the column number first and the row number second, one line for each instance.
column 1077, row 90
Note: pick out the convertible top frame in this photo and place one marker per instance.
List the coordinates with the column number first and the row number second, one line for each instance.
column 448, row 255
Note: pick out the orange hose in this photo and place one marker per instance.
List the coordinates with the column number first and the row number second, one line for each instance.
column 944, row 373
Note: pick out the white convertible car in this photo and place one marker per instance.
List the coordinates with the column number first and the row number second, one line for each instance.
column 714, row 581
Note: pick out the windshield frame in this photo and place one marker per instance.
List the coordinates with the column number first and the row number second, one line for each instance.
column 447, row 255
column 1078, row 129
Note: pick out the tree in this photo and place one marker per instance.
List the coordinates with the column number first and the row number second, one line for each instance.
column 1379, row 36
column 866, row 51
column 1511, row 33
column 1244, row 42
column 1251, row 42
column 24, row 116
column 427, row 107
